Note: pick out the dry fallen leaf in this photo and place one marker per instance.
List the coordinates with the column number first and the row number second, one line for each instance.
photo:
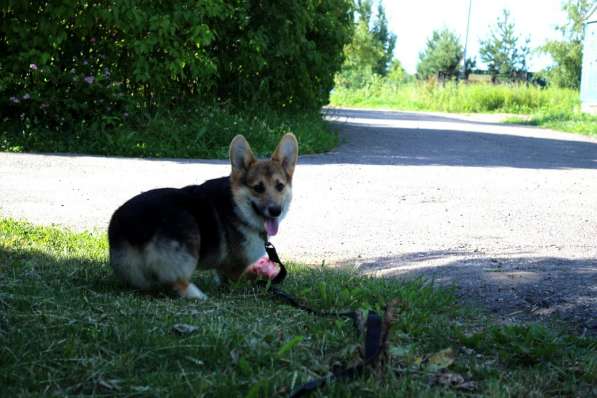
column 183, row 328
column 440, row 360
column 111, row 385
column 453, row 380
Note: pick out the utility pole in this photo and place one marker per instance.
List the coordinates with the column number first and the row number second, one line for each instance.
column 468, row 22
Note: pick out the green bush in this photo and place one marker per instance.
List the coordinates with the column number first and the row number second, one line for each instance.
column 72, row 60
column 71, row 64
column 283, row 52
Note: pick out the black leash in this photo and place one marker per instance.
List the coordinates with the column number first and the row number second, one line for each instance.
column 375, row 330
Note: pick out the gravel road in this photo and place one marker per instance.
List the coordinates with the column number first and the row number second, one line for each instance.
column 508, row 214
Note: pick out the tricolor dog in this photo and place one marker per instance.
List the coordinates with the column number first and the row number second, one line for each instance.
column 159, row 237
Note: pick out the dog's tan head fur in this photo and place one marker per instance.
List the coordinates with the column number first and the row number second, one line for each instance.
column 262, row 189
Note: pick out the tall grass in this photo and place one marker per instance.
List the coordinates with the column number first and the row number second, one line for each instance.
column 573, row 122
column 455, row 97
column 190, row 131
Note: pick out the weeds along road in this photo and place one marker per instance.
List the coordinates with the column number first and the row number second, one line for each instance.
column 507, row 213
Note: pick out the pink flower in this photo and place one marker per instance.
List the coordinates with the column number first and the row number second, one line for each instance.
column 89, row 79
column 33, row 66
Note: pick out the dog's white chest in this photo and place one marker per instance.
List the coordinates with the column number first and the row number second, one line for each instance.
column 253, row 247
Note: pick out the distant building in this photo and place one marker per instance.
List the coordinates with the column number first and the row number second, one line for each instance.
column 588, row 83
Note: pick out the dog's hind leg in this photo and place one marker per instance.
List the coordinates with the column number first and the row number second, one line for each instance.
column 173, row 264
column 188, row 290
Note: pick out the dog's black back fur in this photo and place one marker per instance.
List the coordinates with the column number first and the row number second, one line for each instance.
column 195, row 215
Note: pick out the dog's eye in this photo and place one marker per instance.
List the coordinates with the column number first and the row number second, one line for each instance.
column 259, row 188
column 279, row 187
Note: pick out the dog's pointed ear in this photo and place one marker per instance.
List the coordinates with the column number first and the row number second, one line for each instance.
column 287, row 153
column 241, row 155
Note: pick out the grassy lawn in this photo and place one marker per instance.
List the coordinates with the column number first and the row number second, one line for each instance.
column 67, row 327
column 188, row 131
column 548, row 107
column 572, row 122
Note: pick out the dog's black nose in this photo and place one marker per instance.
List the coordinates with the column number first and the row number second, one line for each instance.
column 274, row 211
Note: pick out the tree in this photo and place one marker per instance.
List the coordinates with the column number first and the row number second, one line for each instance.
column 469, row 66
column 442, row 55
column 567, row 52
column 370, row 51
column 501, row 52
column 396, row 73
column 382, row 34
column 362, row 54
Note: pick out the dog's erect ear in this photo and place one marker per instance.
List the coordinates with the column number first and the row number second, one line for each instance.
column 241, row 156
column 287, row 153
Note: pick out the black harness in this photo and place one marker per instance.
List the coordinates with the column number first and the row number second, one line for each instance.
column 375, row 329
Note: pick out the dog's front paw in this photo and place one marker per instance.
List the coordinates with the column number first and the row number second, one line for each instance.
column 193, row 292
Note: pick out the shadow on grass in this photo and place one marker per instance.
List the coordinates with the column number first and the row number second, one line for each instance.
column 518, row 288
column 67, row 327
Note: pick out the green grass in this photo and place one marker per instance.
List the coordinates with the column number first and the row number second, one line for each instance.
column 548, row 107
column 68, row 327
column 453, row 97
column 191, row 131
column 574, row 122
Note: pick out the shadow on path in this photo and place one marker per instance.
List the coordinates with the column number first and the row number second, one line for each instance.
column 522, row 288
column 463, row 143
column 387, row 145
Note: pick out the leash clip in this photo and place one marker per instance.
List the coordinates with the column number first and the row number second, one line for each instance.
column 273, row 256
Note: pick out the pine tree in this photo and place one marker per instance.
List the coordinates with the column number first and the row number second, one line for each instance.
column 442, row 55
column 387, row 39
column 501, row 52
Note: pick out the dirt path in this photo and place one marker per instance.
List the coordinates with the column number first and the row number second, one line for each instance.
column 508, row 214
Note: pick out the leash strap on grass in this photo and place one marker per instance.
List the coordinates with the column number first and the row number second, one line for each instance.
column 375, row 330
column 373, row 348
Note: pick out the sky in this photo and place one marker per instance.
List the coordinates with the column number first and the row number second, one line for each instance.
column 413, row 21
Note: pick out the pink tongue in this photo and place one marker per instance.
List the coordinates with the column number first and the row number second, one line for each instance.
column 271, row 226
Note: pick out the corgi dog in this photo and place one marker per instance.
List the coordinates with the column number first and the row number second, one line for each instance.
column 158, row 238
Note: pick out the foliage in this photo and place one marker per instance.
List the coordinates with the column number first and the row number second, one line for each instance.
column 361, row 57
column 371, row 50
column 382, row 34
column 564, row 120
column 69, row 61
column 396, row 73
column 284, row 53
column 190, row 130
column 469, row 66
column 442, row 55
column 68, row 64
column 567, row 52
column 69, row 328
column 458, row 97
column 552, row 107
column 501, row 52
